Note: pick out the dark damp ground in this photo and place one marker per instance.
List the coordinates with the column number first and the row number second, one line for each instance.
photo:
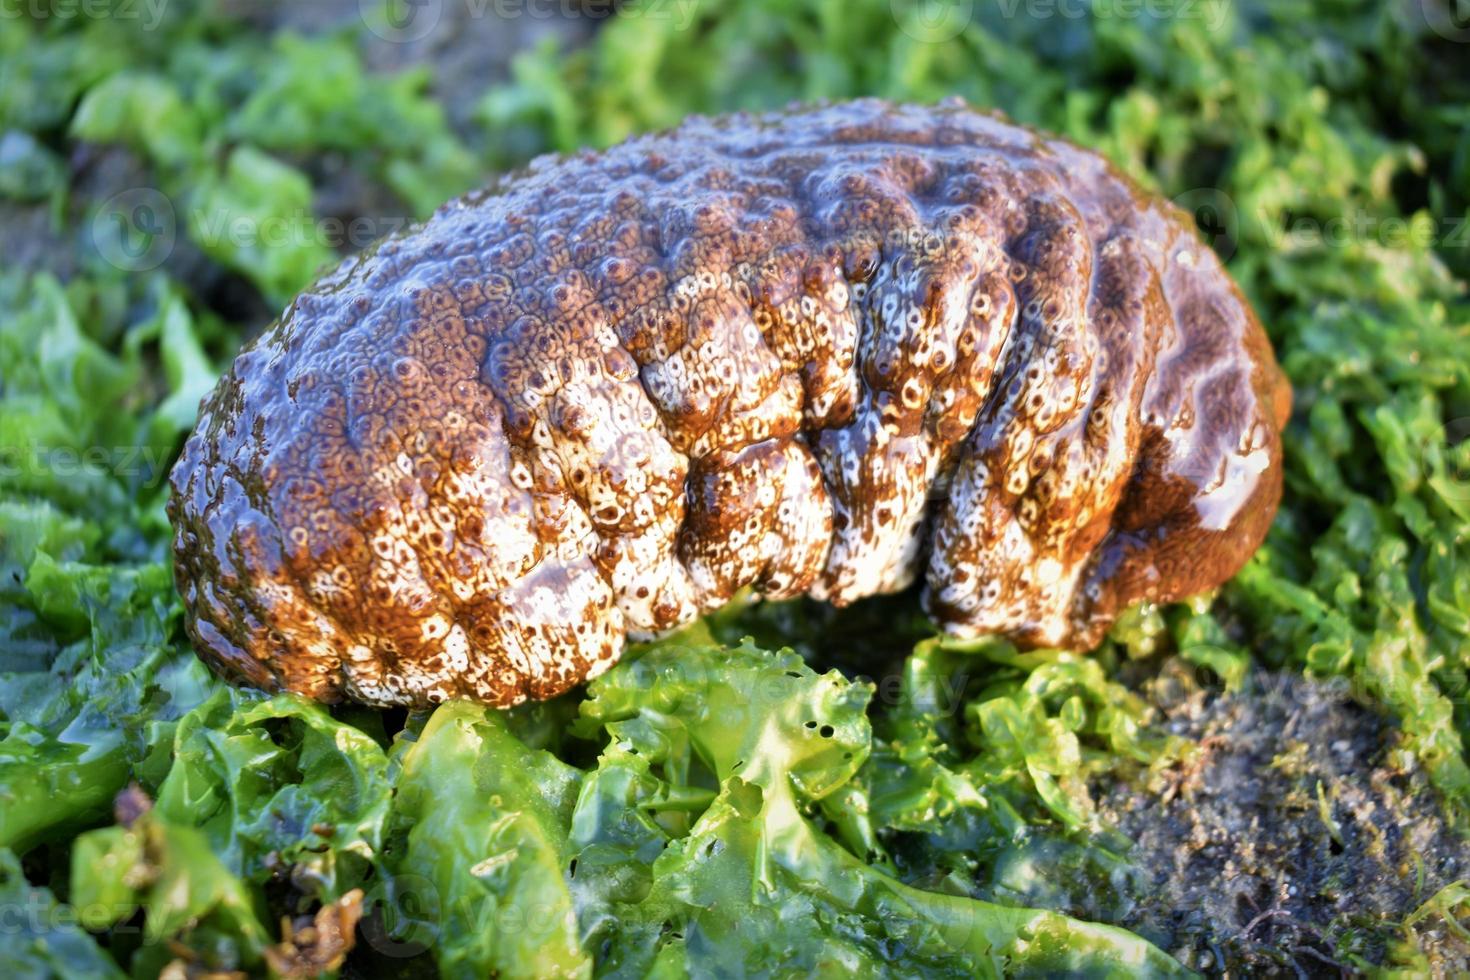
column 1296, row 843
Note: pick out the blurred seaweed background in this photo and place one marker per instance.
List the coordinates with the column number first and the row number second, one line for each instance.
column 1272, row 778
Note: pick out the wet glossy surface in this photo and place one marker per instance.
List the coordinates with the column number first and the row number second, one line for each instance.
column 820, row 352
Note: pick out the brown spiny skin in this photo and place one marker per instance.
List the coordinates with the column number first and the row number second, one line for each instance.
column 817, row 352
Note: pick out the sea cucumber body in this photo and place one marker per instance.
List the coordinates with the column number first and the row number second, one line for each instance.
column 823, row 351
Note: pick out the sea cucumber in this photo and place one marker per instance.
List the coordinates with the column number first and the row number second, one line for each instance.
column 820, row 351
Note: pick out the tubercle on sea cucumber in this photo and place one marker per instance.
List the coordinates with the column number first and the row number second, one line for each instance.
column 818, row 352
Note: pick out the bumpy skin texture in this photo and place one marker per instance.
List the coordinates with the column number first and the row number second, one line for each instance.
column 816, row 352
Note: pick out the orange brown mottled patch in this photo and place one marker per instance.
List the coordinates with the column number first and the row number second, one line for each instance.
column 820, row 351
